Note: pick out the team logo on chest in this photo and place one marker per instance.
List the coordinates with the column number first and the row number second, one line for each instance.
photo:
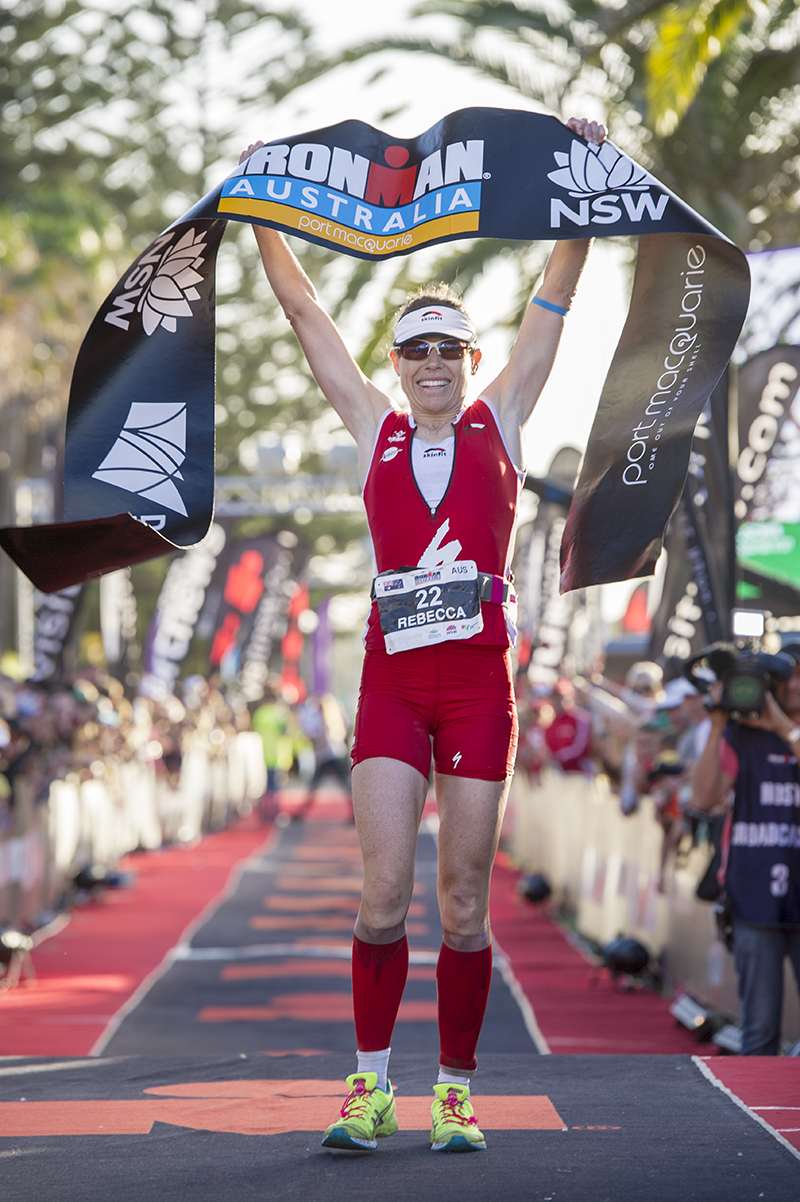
column 398, row 436
column 389, row 454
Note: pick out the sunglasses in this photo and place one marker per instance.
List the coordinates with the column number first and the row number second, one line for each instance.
column 419, row 348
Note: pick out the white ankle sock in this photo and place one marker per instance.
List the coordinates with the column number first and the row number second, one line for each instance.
column 448, row 1076
column 375, row 1062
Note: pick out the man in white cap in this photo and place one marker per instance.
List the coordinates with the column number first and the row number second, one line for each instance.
column 441, row 483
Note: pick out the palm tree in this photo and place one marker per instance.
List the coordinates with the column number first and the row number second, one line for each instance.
column 704, row 94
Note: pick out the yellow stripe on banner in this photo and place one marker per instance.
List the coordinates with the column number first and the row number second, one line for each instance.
column 342, row 235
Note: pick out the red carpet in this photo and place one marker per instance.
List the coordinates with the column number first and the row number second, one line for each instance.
column 767, row 1085
column 577, row 1008
column 89, row 970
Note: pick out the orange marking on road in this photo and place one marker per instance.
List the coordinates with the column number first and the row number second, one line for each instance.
column 301, row 922
column 335, row 884
column 313, row 884
column 345, row 903
column 323, row 941
column 312, row 871
column 347, row 851
column 309, row 904
column 249, row 1108
column 310, row 1007
column 310, row 968
column 277, row 922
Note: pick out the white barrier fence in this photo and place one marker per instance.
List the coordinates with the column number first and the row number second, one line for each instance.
column 605, row 868
column 128, row 806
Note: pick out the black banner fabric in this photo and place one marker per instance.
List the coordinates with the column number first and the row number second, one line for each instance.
column 118, row 622
column 768, row 466
column 698, row 590
column 268, row 628
column 178, row 609
column 247, row 567
column 708, row 517
column 55, row 620
column 139, row 456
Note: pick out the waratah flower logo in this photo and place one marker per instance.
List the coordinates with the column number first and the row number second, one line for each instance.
column 172, row 287
column 589, row 170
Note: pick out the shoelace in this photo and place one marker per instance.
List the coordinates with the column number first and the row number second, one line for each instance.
column 451, row 1110
column 355, row 1104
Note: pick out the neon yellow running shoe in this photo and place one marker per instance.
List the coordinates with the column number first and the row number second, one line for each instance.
column 455, row 1128
column 367, row 1115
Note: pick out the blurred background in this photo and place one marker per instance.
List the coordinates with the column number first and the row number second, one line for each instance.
column 115, row 117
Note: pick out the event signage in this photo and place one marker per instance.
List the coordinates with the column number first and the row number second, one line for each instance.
column 268, row 627
column 698, row 587
column 246, row 570
column 768, row 464
column 767, row 475
column 178, row 608
column 118, row 619
column 55, row 619
column 139, row 445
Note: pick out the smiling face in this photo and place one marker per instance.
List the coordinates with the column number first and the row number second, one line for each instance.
column 435, row 387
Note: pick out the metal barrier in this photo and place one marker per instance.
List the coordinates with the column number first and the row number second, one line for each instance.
column 126, row 806
column 605, row 868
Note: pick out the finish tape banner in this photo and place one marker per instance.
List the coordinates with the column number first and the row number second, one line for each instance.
column 139, row 457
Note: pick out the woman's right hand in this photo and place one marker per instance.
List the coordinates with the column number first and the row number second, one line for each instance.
column 250, row 150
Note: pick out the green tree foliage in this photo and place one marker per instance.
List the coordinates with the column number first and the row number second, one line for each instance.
column 703, row 92
column 115, row 117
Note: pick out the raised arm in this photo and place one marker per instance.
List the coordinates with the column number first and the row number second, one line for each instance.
column 355, row 398
column 519, row 385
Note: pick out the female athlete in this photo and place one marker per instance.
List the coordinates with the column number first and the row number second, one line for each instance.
column 442, row 479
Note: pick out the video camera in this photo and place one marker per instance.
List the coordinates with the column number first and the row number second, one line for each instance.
column 746, row 676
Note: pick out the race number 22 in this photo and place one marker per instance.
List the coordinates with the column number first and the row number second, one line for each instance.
column 428, row 597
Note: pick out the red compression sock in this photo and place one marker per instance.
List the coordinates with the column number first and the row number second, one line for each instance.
column 379, row 978
column 462, row 982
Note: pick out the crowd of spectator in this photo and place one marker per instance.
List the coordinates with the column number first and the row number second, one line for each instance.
column 86, row 726
column 645, row 733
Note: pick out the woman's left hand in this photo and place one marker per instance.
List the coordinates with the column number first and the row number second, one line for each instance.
column 592, row 131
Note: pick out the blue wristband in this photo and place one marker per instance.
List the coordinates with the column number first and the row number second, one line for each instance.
column 559, row 309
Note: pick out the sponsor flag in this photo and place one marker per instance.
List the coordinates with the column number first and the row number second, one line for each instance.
column 322, row 650
column 118, row 618
column 55, row 620
column 768, row 471
column 178, row 609
column 636, row 619
column 699, row 582
column 768, row 465
column 269, row 626
column 139, row 449
column 248, row 564
column 292, row 645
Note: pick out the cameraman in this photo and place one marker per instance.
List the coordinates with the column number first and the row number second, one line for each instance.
column 756, row 761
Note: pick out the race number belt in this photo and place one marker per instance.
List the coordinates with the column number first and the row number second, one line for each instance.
column 421, row 606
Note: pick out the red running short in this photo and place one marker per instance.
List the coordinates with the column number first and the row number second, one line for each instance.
column 454, row 697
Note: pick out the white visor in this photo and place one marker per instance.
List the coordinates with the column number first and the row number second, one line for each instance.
column 437, row 320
